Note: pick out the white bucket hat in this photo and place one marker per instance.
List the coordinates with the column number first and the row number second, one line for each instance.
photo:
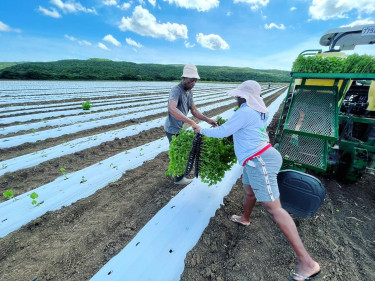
column 190, row 71
column 250, row 90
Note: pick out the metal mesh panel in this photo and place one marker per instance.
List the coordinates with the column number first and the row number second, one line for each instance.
column 313, row 110
column 305, row 150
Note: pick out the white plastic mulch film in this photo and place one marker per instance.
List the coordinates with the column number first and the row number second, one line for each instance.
column 159, row 249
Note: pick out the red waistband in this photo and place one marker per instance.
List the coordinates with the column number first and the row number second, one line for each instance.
column 258, row 153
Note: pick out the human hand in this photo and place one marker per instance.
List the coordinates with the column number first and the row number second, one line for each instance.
column 194, row 125
column 197, row 130
column 214, row 123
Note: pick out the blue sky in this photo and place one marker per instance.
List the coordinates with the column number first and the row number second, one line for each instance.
column 262, row 34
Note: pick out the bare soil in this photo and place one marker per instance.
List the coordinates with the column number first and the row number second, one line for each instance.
column 74, row 242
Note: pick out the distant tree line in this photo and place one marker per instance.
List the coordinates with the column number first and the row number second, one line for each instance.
column 101, row 69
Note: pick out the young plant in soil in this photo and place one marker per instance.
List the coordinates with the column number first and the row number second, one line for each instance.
column 8, row 194
column 64, row 173
column 86, row 105
column 33, row 196
column 83, row 180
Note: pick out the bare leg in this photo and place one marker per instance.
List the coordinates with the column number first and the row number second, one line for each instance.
column 306, row 265
column 249, row 202
column 248, row 205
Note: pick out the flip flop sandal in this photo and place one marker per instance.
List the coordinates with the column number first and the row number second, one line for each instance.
column 236, row 219
column 293, row 274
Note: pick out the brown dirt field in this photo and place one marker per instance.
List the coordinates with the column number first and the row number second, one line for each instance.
column 75, row 242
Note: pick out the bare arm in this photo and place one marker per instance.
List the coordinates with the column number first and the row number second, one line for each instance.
column 176, row 113
column 200, row 116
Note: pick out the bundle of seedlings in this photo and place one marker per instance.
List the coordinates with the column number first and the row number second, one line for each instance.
column 351, row 64
column 210, row 157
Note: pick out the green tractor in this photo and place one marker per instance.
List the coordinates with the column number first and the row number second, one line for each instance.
column 327, row 123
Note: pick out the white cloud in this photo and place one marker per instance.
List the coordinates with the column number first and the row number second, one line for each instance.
column 125, row 6
column 274, row 25
column 81, row 42
column 189, row 45
column 50, row 13
column 7, row 28
column 102, row 46
column 329, row 9
column 200, row 5
column 359, row 22
column 142, row 2
column 71, row 38
column 229, row 14
column 71, row 7
column 144, row 23
column 152, row 2
column 84, row 43
column 109, row 38
column 254, row 4
column 131, row 42
column 212, row 42
column 293, row 8
column 4, row 27
column 110, row 2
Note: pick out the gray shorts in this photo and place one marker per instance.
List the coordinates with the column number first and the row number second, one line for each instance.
column 261, row 174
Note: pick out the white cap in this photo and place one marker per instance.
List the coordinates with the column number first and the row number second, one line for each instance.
column 250, row 90
column 190, row 71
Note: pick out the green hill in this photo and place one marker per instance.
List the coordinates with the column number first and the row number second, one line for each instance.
column 101, row 69
column 8, row 64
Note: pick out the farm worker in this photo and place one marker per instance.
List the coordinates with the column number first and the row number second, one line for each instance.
column 261, row 164
column 179, row 103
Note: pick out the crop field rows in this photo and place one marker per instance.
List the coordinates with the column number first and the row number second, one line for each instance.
column 43, row 95
column 69, row 170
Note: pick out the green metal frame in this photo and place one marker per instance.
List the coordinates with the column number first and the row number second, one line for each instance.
column 357, row 119
column 301, row 166
column 344, row 144
column 332, row 138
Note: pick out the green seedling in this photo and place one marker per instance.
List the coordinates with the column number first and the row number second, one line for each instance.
column 8, row 194
column 64, row 173
column 83, row 179
column 215, row 158
column 33, row 196
column 86, row 105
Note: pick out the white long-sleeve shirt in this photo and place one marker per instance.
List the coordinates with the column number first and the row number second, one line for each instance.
column 248, row 130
